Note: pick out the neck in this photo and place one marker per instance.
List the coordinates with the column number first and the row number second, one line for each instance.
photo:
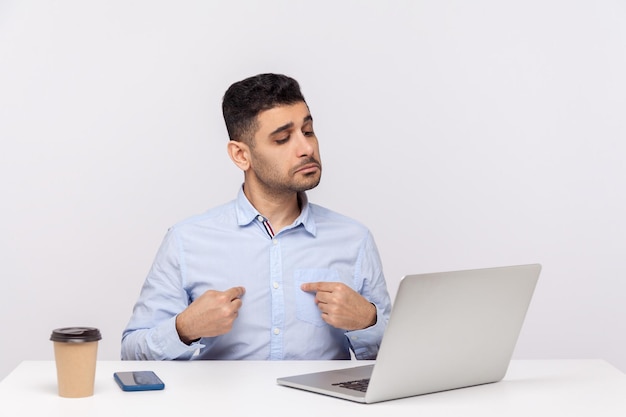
column 281, row 209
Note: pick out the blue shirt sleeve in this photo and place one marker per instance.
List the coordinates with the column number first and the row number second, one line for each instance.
column 151, row 333
column 371, row 282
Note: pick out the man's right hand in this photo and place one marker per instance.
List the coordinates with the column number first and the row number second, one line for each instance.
column 211, row 314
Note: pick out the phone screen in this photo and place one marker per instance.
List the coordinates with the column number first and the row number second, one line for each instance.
column 138, row 381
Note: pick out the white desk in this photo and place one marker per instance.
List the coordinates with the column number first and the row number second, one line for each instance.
column 242, row 388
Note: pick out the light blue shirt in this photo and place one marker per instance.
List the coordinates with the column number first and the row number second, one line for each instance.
column 229, row 246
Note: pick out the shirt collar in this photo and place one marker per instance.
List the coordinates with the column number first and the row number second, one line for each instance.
column 246, row 213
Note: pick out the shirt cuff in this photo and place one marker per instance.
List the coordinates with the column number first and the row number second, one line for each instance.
column 166, row 341
column 366, row 342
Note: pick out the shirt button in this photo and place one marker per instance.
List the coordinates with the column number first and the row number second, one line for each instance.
column 276, row 330
column 275, row 285
column 260, row 218
column 275, row 241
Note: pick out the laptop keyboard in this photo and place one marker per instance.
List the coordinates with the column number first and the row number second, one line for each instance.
column 358, row 385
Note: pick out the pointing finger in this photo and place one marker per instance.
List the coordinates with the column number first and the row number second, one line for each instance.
column 316, row 286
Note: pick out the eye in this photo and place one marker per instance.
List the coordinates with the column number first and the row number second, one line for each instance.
column 308, row 133
column 282, row 141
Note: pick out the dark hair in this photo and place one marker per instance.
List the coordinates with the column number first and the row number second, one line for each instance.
column 245, row 99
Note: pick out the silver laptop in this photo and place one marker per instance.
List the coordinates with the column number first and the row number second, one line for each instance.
column 447, row 330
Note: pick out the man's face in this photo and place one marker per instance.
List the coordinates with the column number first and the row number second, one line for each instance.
column 285, row 153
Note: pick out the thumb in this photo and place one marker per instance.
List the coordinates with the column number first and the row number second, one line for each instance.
column 235, row 292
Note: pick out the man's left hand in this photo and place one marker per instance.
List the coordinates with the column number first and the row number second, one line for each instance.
column 341, row 306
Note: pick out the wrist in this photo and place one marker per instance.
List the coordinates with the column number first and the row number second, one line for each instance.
column 374, row 318
column 181, row 330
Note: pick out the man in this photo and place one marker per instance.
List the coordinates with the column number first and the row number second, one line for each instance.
column 268, row 275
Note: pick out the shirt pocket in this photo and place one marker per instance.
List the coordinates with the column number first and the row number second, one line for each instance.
column 306, row 309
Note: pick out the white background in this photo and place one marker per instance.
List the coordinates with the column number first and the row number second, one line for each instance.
column 464, row 134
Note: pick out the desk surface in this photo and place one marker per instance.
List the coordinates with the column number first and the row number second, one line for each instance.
column 244, row 388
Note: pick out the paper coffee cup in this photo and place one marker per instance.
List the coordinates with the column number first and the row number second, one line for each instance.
column 75, row 354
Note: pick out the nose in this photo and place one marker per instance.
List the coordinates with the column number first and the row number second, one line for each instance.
column 306, row 145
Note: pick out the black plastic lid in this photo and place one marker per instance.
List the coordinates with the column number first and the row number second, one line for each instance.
column 76, row 334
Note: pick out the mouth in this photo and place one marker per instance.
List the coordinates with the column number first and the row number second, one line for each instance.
column 308, row 168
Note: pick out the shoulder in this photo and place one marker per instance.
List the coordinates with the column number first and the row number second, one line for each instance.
column 325, row 217
column 215, row 216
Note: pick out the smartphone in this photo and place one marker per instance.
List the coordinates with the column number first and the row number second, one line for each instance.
column 138, row 381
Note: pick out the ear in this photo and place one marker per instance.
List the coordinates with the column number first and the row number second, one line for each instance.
column 239, row 153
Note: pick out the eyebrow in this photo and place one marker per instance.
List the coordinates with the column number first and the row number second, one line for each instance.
column 289, row 125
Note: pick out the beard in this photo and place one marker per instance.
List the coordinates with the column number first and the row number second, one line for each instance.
column 276, row 183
